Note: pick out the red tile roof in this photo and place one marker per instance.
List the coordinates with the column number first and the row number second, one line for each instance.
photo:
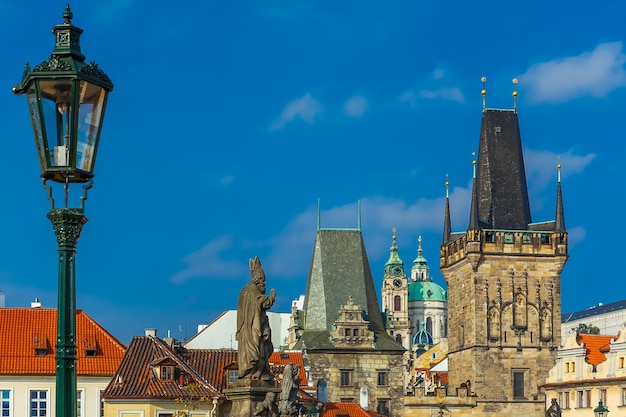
column 596, row 346
column 344, row 409
column 136, row 378
column 24, row 332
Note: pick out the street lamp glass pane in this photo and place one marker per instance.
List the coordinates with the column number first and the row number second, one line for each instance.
column 57, row 110
column 35, row 118
column 90, row 109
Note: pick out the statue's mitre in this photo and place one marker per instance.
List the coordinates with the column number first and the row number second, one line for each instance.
column 256, row 269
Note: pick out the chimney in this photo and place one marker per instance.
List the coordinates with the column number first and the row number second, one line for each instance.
column 151, row 332
column 35, row 304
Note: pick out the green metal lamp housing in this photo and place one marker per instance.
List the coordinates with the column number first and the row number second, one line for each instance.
column 313, row 411
column 66, row 100
column 601, row 410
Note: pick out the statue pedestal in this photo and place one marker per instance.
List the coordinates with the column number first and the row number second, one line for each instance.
column 245, row 399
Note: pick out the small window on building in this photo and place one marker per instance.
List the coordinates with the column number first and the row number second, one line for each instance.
column 355, row 332
column 621, row 362
column 90, row 353
column 232, row 376
column 167, row 373
column 622, row 396
column 583, row 399
column 41, row 351
column 346, row 378
column 497, row 129
column 5, row 406
column 284, row 355
column 518, row 384
column 397, row 303
column 399, row 338
column 383, row 407
column 602, row 395
column 563, row 399
column 79, row 403
column 38, row 403
column 383, row 378
column 347, row 332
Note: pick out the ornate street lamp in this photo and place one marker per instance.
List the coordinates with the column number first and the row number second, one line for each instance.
column 313, row 411
column 600, row 410
column 66, row 99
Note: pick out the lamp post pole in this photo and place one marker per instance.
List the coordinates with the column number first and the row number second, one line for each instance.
column 67, row 224
column 66, row 101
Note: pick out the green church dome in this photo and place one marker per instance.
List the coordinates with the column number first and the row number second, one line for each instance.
column 426, row 291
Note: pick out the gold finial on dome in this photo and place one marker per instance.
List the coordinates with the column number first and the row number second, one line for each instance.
column 484, row 92
column 558, row 170
column 515, row 81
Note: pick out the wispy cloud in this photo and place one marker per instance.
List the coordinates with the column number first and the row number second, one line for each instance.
column 356, row 106
column 209, row 262
column 439, row 85
column 541, row 166
column 444, row 93
column 305, row 108
column 594, row 74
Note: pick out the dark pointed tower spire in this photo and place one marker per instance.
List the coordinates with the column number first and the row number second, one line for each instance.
column 446, row 217
column 501, row 178
column 559, row 219
column 474, row 222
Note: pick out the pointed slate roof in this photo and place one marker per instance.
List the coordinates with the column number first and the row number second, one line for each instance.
column 339, row 270
column 23, row 331
column 502, row 190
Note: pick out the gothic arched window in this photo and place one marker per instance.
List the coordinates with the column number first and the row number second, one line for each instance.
column 429, row 325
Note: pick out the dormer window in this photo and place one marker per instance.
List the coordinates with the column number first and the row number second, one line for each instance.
column 90, row 353
column 167, row 373
column 41, row 351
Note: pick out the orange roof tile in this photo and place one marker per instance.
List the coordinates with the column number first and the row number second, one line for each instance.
column 25, row 332
column 596, row 346
column 344, row 409
column 283, row 358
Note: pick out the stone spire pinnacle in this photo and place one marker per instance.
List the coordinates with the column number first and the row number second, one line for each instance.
column 559, row 219
column 446, row 217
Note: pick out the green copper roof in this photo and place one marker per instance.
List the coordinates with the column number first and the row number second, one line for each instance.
column 426, row 291
column 394, row 265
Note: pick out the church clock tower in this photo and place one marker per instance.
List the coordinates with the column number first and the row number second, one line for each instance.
column 395, row 297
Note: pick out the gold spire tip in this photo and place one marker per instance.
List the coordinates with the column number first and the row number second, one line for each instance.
column 483, row 79
column 393, row 230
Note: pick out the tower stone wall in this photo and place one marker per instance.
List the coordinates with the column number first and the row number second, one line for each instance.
column 504, row 314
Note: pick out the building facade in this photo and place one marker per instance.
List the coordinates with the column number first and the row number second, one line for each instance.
column 28, row 365
column 589, row 368
column 350, row 356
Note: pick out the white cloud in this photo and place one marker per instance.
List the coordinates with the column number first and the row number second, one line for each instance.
column 541, row 166
column 594, row 74
column 207, row 262
column 439, row 85
column 305, row 108
column 408, row 97
column 444, row 93
column 356, row 106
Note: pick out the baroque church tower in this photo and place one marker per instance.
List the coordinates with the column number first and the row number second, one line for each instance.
column 503, row 276
column 395, row 297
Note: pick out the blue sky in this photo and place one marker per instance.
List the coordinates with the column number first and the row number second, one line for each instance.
column 230, row 119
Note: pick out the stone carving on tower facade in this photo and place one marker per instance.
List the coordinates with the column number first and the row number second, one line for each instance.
column 289, row 392
column 253, row 330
